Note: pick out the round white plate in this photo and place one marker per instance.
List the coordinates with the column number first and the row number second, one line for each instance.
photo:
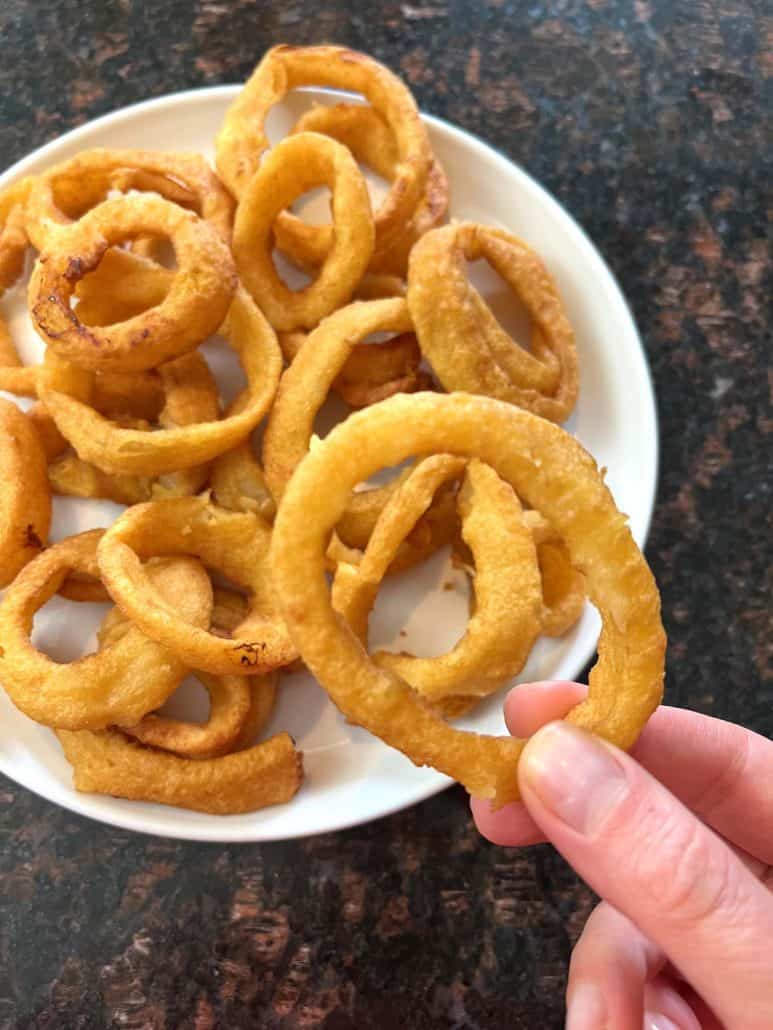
column 352, row 777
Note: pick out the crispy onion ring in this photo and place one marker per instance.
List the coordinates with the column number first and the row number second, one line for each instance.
column 191, row 399
column 305, row 385
column 25, row 497
column 117, row 684
column 194, row 307
column 236, row 702
column 553, row 474
column 462, row 339
column 107, row 763
column 242, row 138
column 68, row 190
column 505, row 619
column 13, row 234
column 115, row 449
column 295, row 166
column 365, row 132
column 229, row 611
column 373, row 371
column 234, row 543
column 302, row 392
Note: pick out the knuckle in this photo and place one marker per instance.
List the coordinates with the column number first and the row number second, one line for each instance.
column 687, row 876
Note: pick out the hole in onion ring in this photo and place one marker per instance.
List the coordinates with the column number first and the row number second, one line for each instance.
column 505, row 304
column 67, row 630
column 190, row 702
column 408, row 600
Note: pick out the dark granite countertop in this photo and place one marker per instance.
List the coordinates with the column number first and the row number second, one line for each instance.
column 647, row 119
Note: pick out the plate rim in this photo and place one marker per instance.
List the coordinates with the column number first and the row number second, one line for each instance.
column 78, row 804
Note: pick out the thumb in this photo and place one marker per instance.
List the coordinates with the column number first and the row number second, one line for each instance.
column 639, row 848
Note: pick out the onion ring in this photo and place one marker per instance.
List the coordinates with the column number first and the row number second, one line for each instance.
column 307, row 382
column 115, row 449
column 117, row 684
column 552, row 472
column 231, row 702
column 194, row 307
column 365, row 132
column 373, row 371
column 463, row 341
column 295, row 166
column 107, row 763
column 68, row 190
column 508, row 598
column 191, row 399
column 302, row 392
column 13, row 234
column 229, row 611
column 25, row 497
column 242, row 138
column 235, row 544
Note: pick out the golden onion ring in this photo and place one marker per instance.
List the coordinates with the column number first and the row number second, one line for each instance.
column 181, row 445
column 505, row 619
column 365, row 132
column 242, row 139
column 235, row 544
column 294, row 166
column 120, row 683
column 463, row 341
column 197, row 301
column 552, row 472
column 25, row 497
column 64, row 193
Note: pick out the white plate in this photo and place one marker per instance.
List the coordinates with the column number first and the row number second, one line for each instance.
column 351, row 777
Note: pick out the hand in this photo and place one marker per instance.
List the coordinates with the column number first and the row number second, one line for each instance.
column 677, row 838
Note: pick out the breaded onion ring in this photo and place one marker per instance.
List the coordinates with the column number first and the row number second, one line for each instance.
column 363, row 130
column 107, row 763
column 194, row 307
column 505, row 619
column 295, row 166
column 302, row 392
column 120, row 683
column 235, row 544
column 67, row 191
column 181, row 445
column 552, row 472
column 25, row 496
column 463, row 341
column 242, row 138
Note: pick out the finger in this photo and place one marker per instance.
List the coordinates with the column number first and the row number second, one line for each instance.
column 615, row 979
column 645, row 853
column 666, row 1009
column 721, row 771
column 611, row 963
column 510, row 827
column 530, row 706
column 527, row 707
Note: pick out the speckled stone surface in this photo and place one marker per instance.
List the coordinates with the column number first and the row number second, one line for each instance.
column 647, row 120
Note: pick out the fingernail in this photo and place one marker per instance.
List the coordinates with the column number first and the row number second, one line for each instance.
column 586, row 1009
column 657, row 1021
column 574, row 775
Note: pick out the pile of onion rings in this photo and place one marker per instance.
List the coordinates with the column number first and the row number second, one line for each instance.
column 125, row 407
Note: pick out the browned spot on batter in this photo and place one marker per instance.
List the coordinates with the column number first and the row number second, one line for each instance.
column 31, row 538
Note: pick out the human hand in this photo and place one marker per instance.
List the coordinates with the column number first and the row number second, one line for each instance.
column 677, row 838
